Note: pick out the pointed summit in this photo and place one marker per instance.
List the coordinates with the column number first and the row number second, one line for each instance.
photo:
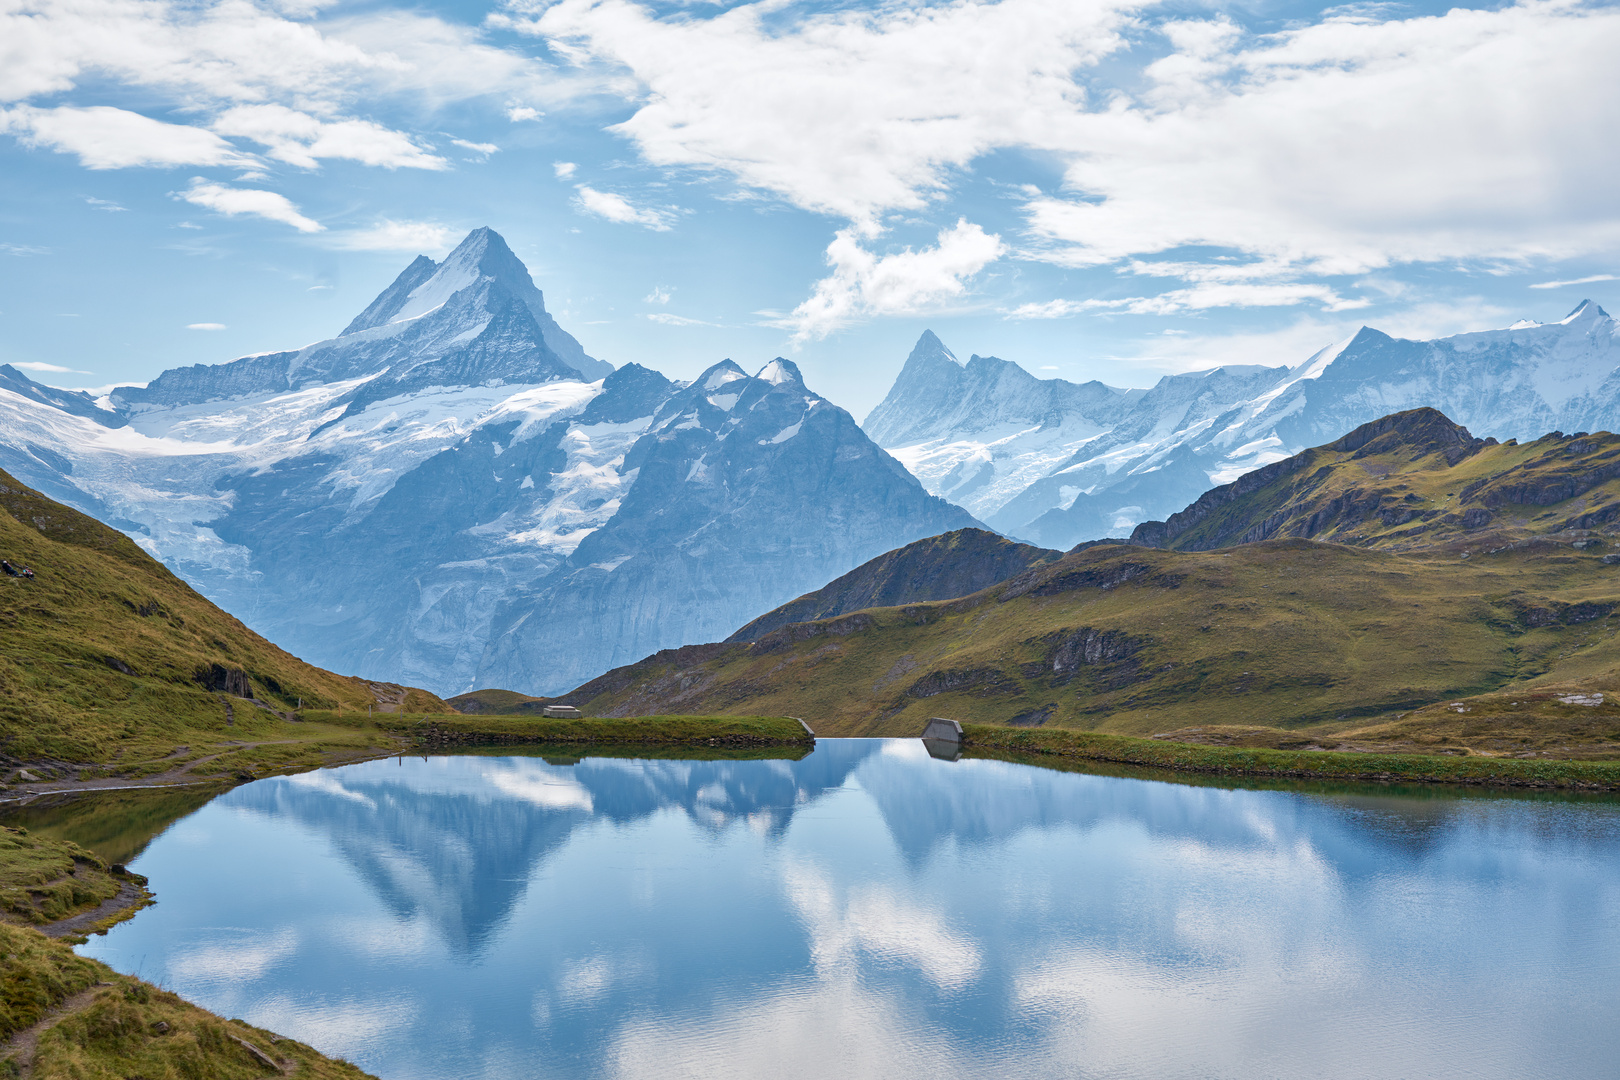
column 781, row 372
column 929, row 347
column 481, row 259
column 1584, row 310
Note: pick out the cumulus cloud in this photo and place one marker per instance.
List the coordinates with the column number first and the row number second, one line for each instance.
column 850, row 113
column 1303, row 149
column 616, row 208
column 905, row 283
column 412, row 236
column 563, row 170
column 301, row 139
column 244, row 71
column 251, row 201
column 1300, row 150
column 103, row 137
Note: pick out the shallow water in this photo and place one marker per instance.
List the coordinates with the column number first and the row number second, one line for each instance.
column 872, row 911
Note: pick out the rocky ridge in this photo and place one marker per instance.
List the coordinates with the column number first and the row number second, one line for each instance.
column 1057, row 463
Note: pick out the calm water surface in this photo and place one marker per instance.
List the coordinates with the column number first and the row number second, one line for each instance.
column 872, row 911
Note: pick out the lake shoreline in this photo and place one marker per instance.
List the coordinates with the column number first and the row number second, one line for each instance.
column 1472, row 771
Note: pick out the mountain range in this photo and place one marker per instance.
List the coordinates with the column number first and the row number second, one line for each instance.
column 1056, row 463
column 1458, row 568
column 452, row 493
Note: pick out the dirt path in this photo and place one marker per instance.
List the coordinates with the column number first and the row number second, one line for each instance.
column 19, row 1050
column 185, row 776
column 131, row 895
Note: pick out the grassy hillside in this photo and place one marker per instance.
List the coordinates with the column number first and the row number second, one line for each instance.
column 107, row 658
column 935, row 568
column 1411, row 481
column 1291, row 636
column 64, row 1016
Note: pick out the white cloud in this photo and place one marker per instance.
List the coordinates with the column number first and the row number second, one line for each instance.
column 256, row 203
column 205, row 326
column 1285, row 346
column 24, row 250
column 483, row 148
column 37, row 365
column 412, row 236
column 1589, row 280
column 519, row 113
column 616, row 208
column 1198, row 298
column 850, row 113
column 301, row 139
column 260, row 72
column 660, row 295
column 1301, row 150
column 104, row 204
column 674, row 320
column 563, row 169
column 1307, row 150
column 904, row 283
column 107, row 138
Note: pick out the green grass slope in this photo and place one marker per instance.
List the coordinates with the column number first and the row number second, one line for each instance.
column 935, row 568
column 107, row 658
column 64, row 1016
column 1290, row 636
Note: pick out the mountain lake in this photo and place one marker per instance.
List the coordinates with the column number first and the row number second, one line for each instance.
column 870, row 910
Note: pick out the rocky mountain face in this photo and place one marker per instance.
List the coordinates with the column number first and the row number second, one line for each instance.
column 1456, row 565
column 747, row 490
column 453, row 488
column 1409, row 481
column 1057, row 463
column 936, row 568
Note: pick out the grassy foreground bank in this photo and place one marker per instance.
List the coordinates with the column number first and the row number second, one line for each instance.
column 62, row 1015
column 1308, row 764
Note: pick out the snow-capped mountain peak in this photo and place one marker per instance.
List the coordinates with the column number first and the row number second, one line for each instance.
column 475, row 319
column 1586, row 310
column 1041, row 464
column 438, row 496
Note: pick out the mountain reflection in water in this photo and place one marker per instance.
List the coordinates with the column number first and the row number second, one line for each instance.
column 872, row 910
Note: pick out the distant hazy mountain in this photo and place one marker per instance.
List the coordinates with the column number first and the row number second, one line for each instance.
column 1056, row 463
column 451, row 488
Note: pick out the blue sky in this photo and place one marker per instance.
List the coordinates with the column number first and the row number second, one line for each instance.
column 1111, row 189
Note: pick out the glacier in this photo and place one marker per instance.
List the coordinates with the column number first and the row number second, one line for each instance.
column 1058, row 463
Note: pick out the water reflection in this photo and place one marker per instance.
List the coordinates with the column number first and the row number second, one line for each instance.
column 457, row 839
column 874, row 910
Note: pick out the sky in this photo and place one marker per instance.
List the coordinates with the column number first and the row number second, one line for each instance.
column 1110, row 189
